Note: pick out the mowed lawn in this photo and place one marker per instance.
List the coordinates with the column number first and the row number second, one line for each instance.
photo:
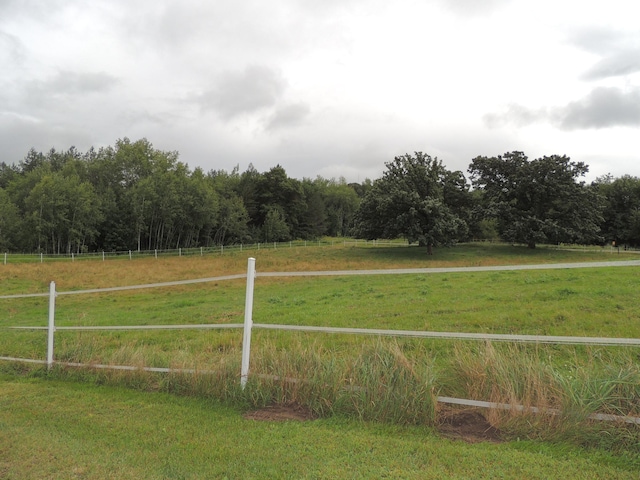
column 51, row 429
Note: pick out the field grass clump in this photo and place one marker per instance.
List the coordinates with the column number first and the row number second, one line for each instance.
column 558, row 388
column 374, row 382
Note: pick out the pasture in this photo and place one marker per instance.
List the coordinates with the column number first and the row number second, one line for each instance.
column 347, row 381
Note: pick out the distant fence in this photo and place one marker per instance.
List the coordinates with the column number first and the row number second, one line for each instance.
column 248, row 326
column 7, row 258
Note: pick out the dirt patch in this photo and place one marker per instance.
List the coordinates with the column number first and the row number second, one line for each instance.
column 467, row 425
column 281, row 413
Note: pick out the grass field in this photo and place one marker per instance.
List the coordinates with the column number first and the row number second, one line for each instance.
column 350, row 379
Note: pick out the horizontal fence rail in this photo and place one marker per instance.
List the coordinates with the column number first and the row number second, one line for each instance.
column 130, row 287
column 522, row 408
column 204, row 326
column 459, row 335
column 499, row 337
column 338, row 273
column 494, row 268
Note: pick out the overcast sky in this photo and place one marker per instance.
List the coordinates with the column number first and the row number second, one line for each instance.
column 325, row 87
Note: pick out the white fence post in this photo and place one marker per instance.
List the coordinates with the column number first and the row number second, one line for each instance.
column 248, row 322
column 52, row 327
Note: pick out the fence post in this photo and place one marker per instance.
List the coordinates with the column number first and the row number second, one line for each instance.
column 103, row 255
column 248, row 322
column 52, row 327
column 5, row 258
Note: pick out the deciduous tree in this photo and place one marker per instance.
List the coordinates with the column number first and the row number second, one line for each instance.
column 538, row 201
column 622, row 209
column 415, row 199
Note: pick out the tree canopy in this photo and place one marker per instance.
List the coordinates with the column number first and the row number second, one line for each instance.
column 416, row 198
column 132, row 196
column 621, row 198
column 538, row 201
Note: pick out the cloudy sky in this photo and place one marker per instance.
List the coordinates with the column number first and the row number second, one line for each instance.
column 331, row 88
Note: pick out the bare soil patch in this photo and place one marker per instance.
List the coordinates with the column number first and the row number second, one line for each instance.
column 467, row 425
column 281, row 413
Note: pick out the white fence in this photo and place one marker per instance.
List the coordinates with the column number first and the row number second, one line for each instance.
column 248, row 325
column 7, row 258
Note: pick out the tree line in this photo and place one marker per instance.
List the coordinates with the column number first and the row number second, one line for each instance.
column 132, row 196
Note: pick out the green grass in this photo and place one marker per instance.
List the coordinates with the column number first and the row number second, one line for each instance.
column 55, row 429
column 363, row 378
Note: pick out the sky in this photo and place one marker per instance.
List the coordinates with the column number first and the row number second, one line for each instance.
column 331, row 88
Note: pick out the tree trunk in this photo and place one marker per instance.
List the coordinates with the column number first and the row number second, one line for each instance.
column 429, row 249
column 531, row 245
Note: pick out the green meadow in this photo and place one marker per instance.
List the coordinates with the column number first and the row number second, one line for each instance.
column 366, row 393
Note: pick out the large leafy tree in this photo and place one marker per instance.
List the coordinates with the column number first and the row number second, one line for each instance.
column 622, row 208
column 538, row 201
column 417, row 198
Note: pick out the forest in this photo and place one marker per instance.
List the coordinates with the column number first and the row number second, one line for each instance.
column 132, row 196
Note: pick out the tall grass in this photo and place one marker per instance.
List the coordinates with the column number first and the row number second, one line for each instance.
column 375, row 382
column 393, row 381
column 564, row 387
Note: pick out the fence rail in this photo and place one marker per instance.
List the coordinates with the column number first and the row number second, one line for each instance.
column 248, row 325
column 7, row 257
